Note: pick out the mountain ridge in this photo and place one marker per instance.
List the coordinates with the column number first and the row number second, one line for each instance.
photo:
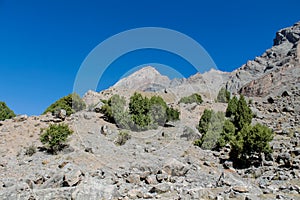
column 285, row 51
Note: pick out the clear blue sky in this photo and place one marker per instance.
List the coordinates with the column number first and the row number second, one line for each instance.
column 43, row 43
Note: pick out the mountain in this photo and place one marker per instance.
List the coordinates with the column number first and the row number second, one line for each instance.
column 276, row 70
column 272, row 72
column 148, row 79
column 164, row 163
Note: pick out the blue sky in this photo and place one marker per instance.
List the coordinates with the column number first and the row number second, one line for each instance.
column 43, row 43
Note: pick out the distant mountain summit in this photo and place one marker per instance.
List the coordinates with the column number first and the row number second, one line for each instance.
column 148, row 79
column 145, row 79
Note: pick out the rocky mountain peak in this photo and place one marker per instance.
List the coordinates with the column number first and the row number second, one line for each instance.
column 145, row 79
column 290, row 34
column 282, row 58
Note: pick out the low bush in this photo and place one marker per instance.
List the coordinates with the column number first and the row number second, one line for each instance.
column 223, row 96
column 71, row 104
column 194, row 98
column 122, row 138
column 250, row 142
column 142, row 113
column 29, row 151
column 211, row 127
column 247, row 142
column 5, row 112
column 55, row 136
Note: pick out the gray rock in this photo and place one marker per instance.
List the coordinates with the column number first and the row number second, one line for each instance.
column 190, row 134
column 174, row 167
column 240, row 189
column 135, row 193
column 20, row 118
column 88, row 116
column 161, row 188
column 288, row 109
column 151, row 180
column 161, row 177
column 61, row 114
column 105, row 130
column 72, row 176
column 133, row 178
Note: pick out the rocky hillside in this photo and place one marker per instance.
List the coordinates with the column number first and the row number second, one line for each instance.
column 164, row 163
column 274, row 71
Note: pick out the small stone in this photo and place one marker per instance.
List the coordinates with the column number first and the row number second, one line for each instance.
column 133, row 178
column 240, row 189
column 288, row 109
column 161, row 177
column 88, row 150
column 174, row 167
column 20, row 118
column 228, row 164
column 134, row 193
column 151, row 180
column 87, row 116
column 61, row 114
column 161, row 188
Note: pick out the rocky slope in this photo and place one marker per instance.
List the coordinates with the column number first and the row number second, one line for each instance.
column 276, row 69
column 164, row 163
column 156, row 164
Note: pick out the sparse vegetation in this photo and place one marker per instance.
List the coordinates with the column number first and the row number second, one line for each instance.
column 55, row 136
column 29, row 151
column 142, row 114
column 122, row 138
column 71, row 104
column 246, row 141
column 5, row 112
column 223, row 96
column 211, row 126
column 139, row 109
column 194, row 98
column 250, row 142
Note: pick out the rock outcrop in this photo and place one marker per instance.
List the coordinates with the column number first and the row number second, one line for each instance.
column 272, row 70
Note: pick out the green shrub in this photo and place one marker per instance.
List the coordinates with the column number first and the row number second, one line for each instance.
column 142, row 114
column 173, row 114
column 232, row 107
column 5, row 112
column 211, row 127
column 243, row 115
column 249, row 142
column 227, row 134
column 71, row 104
column 160, row 112
column 139, row 109
column 29, row 151
column 223, row 96
column 122, row 138
column 114, row 108
column 194, row 98
column 239, row 112
column 55, row 136
column 204, row 121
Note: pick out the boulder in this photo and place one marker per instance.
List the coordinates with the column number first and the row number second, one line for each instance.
column 73, row 175
column 161, row 188
column 174, row 167
column 61, row 114
column 133, row 178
